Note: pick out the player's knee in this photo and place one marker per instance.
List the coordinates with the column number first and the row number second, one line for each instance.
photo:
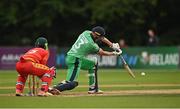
column 67, row 85
column 95, row 60
column 48, row 75
column 95, row 67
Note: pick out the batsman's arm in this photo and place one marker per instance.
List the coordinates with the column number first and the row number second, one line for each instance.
column 114, row 46
column 107, row 41
column 106, row 53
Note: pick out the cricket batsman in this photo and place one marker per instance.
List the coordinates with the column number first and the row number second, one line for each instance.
column 76, row 59
column 33, row 62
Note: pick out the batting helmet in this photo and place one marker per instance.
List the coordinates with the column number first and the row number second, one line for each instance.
column 42, row 43
column 99, row 31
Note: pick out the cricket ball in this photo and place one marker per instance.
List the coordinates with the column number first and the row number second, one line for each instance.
column 143, row 74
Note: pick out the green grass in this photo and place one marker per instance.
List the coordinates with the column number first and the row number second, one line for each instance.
column 110, row 80
column 94, row 102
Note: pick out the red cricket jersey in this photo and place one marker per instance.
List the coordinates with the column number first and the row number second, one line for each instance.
column 37, row 55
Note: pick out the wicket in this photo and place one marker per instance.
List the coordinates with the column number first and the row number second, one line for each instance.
column 33, row 85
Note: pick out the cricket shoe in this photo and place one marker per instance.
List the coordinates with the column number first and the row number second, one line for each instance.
column 44, row 94
column 54, row 91
column 95, row 91
column 29, row 94
column 19, row 93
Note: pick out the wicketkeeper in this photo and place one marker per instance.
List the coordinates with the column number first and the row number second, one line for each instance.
column 34, row 62
column 76, row 59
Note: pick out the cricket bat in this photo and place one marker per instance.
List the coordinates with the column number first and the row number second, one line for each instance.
column 96, row 80
column 126, row 66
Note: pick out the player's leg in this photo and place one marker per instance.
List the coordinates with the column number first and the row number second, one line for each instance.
column 63, row 86
column 74, row 65
column 46, row 74
column 92, row 66
column 21, row 79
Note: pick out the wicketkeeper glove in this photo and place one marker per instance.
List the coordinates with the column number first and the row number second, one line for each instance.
column 117, row 52
column 53, row 69
column 115, row 46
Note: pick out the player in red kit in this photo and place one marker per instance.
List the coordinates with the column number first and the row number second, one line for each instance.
column 33, row 62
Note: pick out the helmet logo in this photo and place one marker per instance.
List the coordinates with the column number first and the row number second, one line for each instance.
column 46, row 46
column 42, row 43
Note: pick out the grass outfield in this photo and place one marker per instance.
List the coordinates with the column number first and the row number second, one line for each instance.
column 157, row 89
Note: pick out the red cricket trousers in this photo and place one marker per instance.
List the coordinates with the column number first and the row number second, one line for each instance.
column 25, row 68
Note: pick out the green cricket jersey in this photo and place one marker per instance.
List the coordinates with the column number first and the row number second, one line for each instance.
column 83, row 45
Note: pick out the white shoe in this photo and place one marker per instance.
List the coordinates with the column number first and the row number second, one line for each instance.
column 44, row 94
column 54, row 91
column 95, row 92
column 19, row 94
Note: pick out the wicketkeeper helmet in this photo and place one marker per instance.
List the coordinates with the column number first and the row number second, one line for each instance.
column 42, row 43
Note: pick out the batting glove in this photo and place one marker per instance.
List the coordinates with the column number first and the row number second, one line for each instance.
column 117, row 52
column 115, row 46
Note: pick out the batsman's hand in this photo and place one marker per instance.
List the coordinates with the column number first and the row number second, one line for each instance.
column 117, row 52
column 115, row 46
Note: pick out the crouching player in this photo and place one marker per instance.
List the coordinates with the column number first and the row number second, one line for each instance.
column 33, row 62
column 76, row 59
